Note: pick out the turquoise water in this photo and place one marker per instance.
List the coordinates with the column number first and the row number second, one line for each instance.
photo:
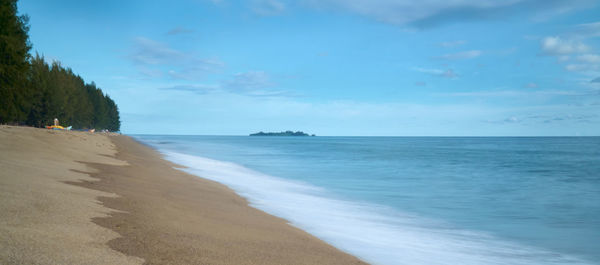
column 411, row 200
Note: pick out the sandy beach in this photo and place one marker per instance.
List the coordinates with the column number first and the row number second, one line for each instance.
column 79, row 198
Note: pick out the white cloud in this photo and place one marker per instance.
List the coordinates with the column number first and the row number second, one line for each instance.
column 254, row 83
column 531, row 85
column 251, row 83
column 155, row 59
column 150, row 73
column 450, row 44
column 582, row 67
column 515, row 93
column 148, row 51
column 559, row 46
column 572, row 52
column 448, row 73
column 403, row 11
column 268, row 7
column 216, row 2
column 460, row 55
column 589, row 58
column 587, row 30
column 179, row 30
column 426, row 13
column 548, row 118
column 197, row 88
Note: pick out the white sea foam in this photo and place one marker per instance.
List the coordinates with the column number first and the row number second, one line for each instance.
column 376, row 234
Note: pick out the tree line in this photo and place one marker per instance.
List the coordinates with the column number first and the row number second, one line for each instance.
column 34, row 92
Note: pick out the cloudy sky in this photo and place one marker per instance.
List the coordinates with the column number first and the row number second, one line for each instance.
column 334, row 67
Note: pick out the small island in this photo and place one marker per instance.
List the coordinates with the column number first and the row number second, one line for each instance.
column 286, row 133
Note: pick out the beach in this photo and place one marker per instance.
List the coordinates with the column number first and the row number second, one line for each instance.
column 72, row 197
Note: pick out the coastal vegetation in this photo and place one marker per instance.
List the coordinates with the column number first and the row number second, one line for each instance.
column 34, row 92
column 286, row 133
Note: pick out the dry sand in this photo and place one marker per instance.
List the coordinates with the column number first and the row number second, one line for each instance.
column 44, row 220
column 80, row 198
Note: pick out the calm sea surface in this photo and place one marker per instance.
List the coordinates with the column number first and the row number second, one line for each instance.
column 412, row 200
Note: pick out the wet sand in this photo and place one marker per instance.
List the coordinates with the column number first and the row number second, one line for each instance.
column 115, row 201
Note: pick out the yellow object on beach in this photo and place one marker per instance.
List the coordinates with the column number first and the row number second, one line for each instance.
column 55, row 127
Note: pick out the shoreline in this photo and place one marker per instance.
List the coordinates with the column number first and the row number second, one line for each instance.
column 164, row 215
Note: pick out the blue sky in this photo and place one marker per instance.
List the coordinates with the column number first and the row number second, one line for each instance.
column 334, row 67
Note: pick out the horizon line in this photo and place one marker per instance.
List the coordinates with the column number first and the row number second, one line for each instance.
column 407, row 136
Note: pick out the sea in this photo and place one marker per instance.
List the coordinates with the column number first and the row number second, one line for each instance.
column 416, row 200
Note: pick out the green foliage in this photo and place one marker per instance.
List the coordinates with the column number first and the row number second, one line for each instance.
column 33, row 92
column 58, row 93
column 14, row 55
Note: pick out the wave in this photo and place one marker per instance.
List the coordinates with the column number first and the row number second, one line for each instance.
column 374, row 233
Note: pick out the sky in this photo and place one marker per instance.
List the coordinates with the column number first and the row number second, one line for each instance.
column 334, row 67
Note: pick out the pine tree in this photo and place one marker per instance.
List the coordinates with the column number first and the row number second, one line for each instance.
column 14, row 56
column 33, row 92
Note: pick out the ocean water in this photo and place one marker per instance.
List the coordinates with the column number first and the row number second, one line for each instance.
column 413, row 200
